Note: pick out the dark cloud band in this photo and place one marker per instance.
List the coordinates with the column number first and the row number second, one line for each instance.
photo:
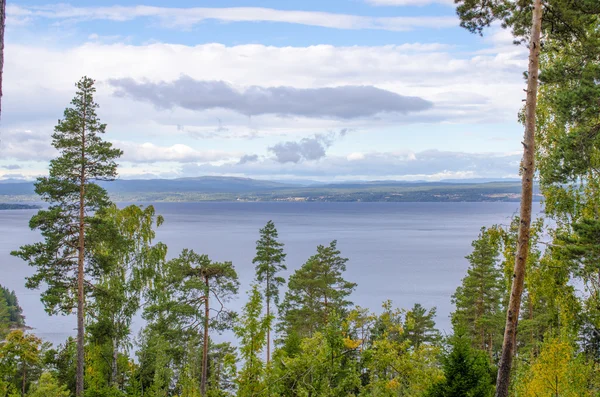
column 344, row 102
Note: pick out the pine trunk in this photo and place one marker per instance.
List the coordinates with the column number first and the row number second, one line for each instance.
column 512, row 315
column 205, row 342
column 2, row 22
column 80, row 268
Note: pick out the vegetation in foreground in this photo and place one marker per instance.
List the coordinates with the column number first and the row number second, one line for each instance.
column 102, row 262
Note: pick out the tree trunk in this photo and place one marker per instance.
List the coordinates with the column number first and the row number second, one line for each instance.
column 80, row 268
column 268, row 328
column 205, row 342
column 512, row 315
column 115, row 356
column 24, row 378
column 2, row 21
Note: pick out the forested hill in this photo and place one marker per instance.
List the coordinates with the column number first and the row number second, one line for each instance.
column 245, row 189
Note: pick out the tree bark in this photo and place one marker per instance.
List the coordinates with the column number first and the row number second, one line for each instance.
column 80, row 267
column 24, row 378
column 269, row 327
column 512, row 315
column 2, row 23
column 115, row 357
column 205, row 342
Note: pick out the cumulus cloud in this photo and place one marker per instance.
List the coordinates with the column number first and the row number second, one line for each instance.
column 248, row 158
column 185, row 18
column 344, row 102
column 313, row 148
column 151, row 153
column 305, row 149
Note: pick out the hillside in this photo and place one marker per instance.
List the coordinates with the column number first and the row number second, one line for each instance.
column 246, row 189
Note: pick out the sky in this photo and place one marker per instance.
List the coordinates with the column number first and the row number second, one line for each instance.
column 331, row 90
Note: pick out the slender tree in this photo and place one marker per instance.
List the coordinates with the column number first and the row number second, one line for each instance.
column 475, row 16
column 125, row 247
column 197, row 278
column 252, row 329
column 269, row 261
column 73, row 198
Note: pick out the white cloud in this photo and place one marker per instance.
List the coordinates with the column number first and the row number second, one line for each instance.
column 475, row 87
column 401, row 165
column 151, row 153
column 185, row 18
column 409, row 2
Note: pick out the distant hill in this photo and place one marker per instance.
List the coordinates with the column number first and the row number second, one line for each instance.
column 215, row 188
column 203, row 184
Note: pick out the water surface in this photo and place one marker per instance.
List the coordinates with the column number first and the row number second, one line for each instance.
column 406, row 252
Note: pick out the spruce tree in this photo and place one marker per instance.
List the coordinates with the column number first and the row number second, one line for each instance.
column 419, row 326
column 316, row 291
column 73, row 198
column 269, row 262
column 467, row 371
column 479, row 299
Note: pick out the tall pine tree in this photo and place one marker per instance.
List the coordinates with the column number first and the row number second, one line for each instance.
column 73, row 198
column 269, row 262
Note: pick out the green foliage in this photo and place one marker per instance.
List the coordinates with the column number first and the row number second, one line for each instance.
column 15, row 313
column 479, row 299
column 397, row 363
column 322, row 367
column 419, row 326
column 252, row 330
column 316, row 291
column 20, row 359
column 48, row 386
column 269, row 261
column 124, row 249
column 557, row 371
column 84, row 157
column 467, row 371
column 562, row 19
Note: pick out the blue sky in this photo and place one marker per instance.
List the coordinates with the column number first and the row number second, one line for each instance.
column 336, row 90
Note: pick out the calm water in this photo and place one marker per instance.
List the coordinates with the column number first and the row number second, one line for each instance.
column 406, row 252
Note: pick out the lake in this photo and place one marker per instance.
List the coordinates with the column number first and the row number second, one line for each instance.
column 405, row 252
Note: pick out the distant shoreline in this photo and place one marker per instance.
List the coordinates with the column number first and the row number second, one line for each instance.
column 16, row 206
column 248, row 190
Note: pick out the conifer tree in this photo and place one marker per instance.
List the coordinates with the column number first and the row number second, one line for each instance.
column 197, row 280
column 269, row 262
column 73, row 198
column 419, row 326
column 467, row 371
column 316, row 291
column 479, row 299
